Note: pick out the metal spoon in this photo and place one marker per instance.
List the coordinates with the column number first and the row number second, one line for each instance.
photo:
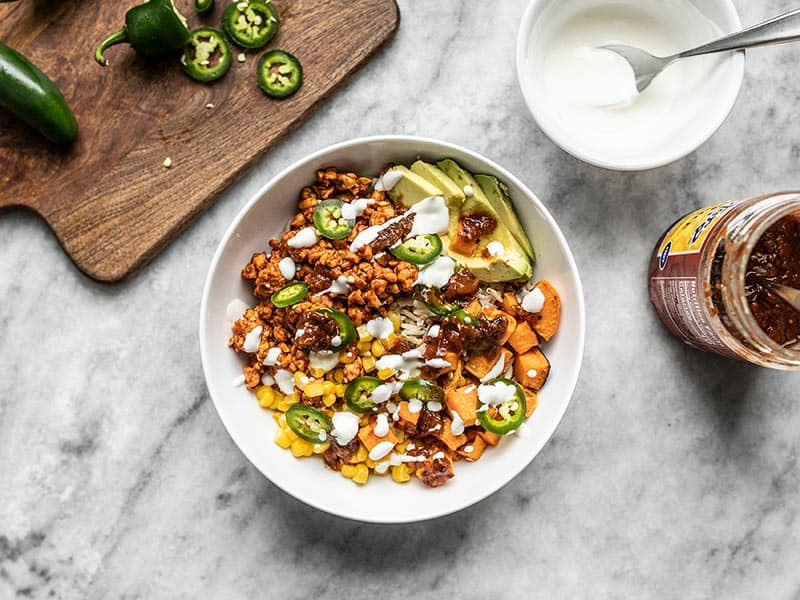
column 788, row 294
column 782, row 29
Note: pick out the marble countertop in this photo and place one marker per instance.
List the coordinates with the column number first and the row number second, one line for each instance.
column 674, row 474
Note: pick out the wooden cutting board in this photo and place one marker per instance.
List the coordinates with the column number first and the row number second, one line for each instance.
column 108, row 198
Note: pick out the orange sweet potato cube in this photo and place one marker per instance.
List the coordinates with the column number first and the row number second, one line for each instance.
column 524, row 338
column 464, row 401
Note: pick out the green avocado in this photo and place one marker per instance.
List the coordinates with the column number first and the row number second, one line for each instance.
column 453, row 195
column 497, row 193
column 411, row 188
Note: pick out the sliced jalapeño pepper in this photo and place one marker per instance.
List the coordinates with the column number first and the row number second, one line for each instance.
column 207, row 56
column 422, row 390
column 153, row 28
column 420, row 249
column 507, row 416
column 329, row 221
column 347, row 331
column 309, row 423
column 280, row 74
column 358, row 394
column 202, row 7
column 466, row 318
column 431, row 299
column 290, row 294
column 250, row 23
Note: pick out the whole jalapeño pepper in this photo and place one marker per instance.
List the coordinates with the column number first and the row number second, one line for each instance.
column 153, row 28
column 28, row 93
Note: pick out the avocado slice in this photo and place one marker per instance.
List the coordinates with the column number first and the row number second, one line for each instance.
column 411, row 188
column 497, row 193
column 453, row 195
column 512, row 265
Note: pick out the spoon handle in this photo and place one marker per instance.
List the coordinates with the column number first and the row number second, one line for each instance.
column 782, row 29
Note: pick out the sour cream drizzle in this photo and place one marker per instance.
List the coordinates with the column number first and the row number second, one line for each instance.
column 533, row 302
column 253, row 339
column 305, row 238
column 437, row 273
column 380, row 327
column 287, row 267
column 345, row 427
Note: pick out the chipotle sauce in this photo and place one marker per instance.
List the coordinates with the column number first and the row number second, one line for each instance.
column 775, row 258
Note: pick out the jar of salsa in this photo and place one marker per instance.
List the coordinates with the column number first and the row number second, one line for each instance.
column 710, row 277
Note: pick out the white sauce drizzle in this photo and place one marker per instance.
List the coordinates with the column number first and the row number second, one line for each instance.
column 253, row 339
column 285, row 381
column 380, row 450
column 325, row 360
column 348, row 212
column 345, row 427
column 381, row 428
column 414, row 406
column 533, row 302
column 495, row 394
column 468, row 191
column 457, row 426
column 434, row 331
column 237, row 381
column 338, row 287
column 532, row 373
column 382, row 393
column 437, row 273
column 437, row 363
column 495, row 248
column 267, row 379
column 389, row 179
column 432, row 216
column 287, row 267
column 305, row 238
column 380, row 328
column 496, row 369
column 434, row 406
column 271, row 359
column 235, row 309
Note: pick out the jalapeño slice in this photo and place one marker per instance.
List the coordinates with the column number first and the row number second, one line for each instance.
column 309, row 423
column 420, row 249
column 422, row 390
column 250, row 23
column 207, row 56
column 203, row 6
column 329, row 221
column 347, row 331
column 431, row 299
column 358, row 394
column 279, row 74
column 290, row 294
column 507, row 416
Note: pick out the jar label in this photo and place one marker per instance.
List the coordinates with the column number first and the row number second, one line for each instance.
column 676, row 290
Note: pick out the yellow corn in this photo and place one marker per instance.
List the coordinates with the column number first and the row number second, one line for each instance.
column 328, row 387
column 329, row 400
column 360, row 456
column 363, row 334
column 384, row 374
column 266, row 396
column 338, row 375
column 283, row 439
column 317, row 373
column 400, row 448
column 314, row 389
column 395, row 319
column 368, row 362
column 364, row 348
column 348, row 471
column 347, row 357
column 340, row 388
column 377, row 349
column 370, row 463
column 302, row 447
column 400, row 473
column 362, row 474
column 282, row 421
column 399, row 434
column 287, row 402
column 320, row 448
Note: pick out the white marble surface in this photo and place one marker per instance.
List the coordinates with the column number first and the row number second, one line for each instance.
column 674, row 474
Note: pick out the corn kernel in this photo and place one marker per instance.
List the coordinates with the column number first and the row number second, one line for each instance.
column 266, row 396
column 329, row 400
column 283, row 439
column 314, row 389
column 401, row 447
column 362, row 474
column 285, row 404
column 317, row 373
column 328, row 387
column 378, row 349
column 338, row 375
column 400, row 473
column 369, row 363
column 347, row 357
column 364, row 348
column 395, row 319
column 360, row 456
column 282, row 421
column 348, row 471
column 363, row 334
column 340, row 388
column 301, row 448
column 370, row 463
column 384, row 374
column 399, row 434
column 321, row 448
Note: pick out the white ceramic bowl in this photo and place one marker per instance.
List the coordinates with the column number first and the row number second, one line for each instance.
column 717, row 97
column 381, row 500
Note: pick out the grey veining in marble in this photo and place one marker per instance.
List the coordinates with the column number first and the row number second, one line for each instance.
column 674, row 474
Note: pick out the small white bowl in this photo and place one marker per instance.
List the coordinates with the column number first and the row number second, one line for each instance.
column 718, row 95
column 265, row 216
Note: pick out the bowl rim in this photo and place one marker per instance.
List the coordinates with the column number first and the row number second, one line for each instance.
column 738, row 58
column 304, row 162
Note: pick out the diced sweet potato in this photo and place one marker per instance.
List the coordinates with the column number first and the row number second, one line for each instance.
column 510, row 303
column 490, row 438
column 511, row 322
column 524, row 338
column 463, row 243
column 480, row 364
column 406, row 416
column 473, row 450
column 531, row 369
column 464, row 401
column 370, row 440
column 474, row 308
column 446, row 436
column 531, row 401
column 546, row 322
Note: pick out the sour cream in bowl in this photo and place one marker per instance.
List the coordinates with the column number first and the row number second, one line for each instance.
column 584, row 98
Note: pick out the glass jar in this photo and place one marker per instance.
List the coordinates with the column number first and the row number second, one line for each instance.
column 697, row 279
